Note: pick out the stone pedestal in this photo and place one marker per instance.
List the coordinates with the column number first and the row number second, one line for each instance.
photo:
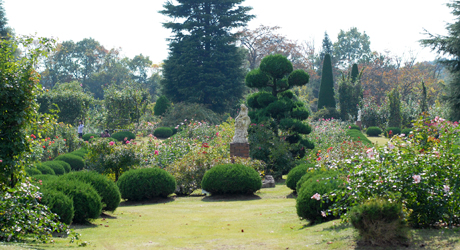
column 239, row 150
column 359, row 123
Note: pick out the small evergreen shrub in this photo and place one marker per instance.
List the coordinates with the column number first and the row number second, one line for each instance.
column 394, row 131
column 307, row 176
column 87, row 137
column 373, row 131
column 31, row 171
column 353, row 126
column 231, row 179
column 79, row 154
column 296, row 173
column 120, row 136
column 379, row 222
column 64, row 164
column 326, row 113
column 161, row 105
column 56, row 167
column 86, row 201
column 58, row 203
column 76, row 162
column 146, row 183
column 44, row 169
column 406, row 131
column 163, row 132
column 107, row 189
column 310, row 208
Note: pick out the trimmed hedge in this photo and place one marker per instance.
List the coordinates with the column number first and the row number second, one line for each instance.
column 76, row 162
column 296, row 174
column 58, row 203
column 146, row 183
column 357, row 135
column 353, row 126
column 80, row 152
column 43, row 178
column 163, row 132
column 120, row 136
column 394, row 131
column 231, row 179
column 44, row 169
column 86, row 201
column 107, row 189
column 31, row 171
column 86, row 137
column 373, row 131
column 64, row 164
column 55, row 166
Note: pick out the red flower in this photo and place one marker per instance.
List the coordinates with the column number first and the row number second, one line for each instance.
column 44, row 147
column 205, row 145
column 204, row 152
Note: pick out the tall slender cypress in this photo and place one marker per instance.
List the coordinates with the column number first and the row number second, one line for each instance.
column 326, row 91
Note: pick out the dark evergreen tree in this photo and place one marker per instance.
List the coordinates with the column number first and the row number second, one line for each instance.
column 161, row 105
column 204, row 65
column 395, row 109
column 449, row 46
column 5, row 31
column 326, row 91
column 424, row 102
column 354, row 72
column 281, row 140
column 350, row 93
column 328, row 47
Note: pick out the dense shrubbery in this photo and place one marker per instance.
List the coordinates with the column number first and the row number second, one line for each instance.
column 373, row 131
column 163, row 132
column 181, row 111
column 296, row 173
column 88, row 136
column 59, row 204
column 391, row 131
column 146, row 183
column 231, row 179
column 357, row 136
column 406, row 131
column 76, row 163
column 124, row 136
column 57, row 168
column 64, row 164
column 44, row 169
column 326, row 113
column 353, row 126
column 32, row 171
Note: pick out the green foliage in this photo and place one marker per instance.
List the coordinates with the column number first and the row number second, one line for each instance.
column 406, row 131
column 204, row 65
column 64, row 164
column 352, row 46
column 177, row 114
column 395, row 109
column 37, row 179
column 305, row 178
column 326, row 93
column 32, row 171
column 231, row 179
column 379, row 222
column 57, row 168
column 350, row 94
column 358, row 136
column 44, row 169
column 296, row 173
column 326, row 113
column 161, row 105
column 163, row 132
column 76, row 162
column 353, row 126
column 88, row 136
column 86, row 201
column 424, row 101
column 124, row 136
column 373, row 131
column 394, row 131
column 146, row 183
column 107, row 189
column 58, row 203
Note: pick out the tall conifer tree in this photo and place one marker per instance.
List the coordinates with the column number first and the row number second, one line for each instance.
column 204, row 65
column 326, row 91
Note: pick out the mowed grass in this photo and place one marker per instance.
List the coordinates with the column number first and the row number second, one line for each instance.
column 267, row 220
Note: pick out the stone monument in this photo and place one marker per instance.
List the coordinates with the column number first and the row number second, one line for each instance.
column 358, row 121
column 240, row 146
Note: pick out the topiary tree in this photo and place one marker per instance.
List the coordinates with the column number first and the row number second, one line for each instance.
column 161, row 106
column 326, row 91
column 280, row 112
column 395, row 109
column 424, row 102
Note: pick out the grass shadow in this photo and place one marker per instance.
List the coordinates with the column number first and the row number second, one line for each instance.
column 337, row 228
column 217, row 198
column 292, row 195
column 107, row 216
column 153, row 201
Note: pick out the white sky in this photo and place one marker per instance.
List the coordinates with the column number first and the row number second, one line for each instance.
column 135, row 26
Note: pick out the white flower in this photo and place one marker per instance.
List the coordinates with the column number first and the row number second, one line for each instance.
column 417, row 178
column 316, row 196
column 446, row 188
column 370, row 153
column 323, row 214
column 391, row 146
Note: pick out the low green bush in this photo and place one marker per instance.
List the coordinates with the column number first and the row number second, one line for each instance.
column 326, row 113
column 120, row 136
column 406, row 131
column 76, row 162
column 80, row 152
column 231, row 179
column 296, row 174
column 55, row 166
column 309, row 204
column 353, row 126
column 86, row 201
column 163, row 132
column 161, row 105
column 357, row 135
column 373, row 131
column 105, row 187
column 44, row 169
column 379, row 222
column 146, row 183
column 31, row 171
column 43, row 178
column 64, row 164
column 394, row 131
column 58, row 203
column 87, row 137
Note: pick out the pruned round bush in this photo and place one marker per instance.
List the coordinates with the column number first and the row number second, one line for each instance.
column 64, row 164
column 76, row 162
column 163, row 132
column 146, row 183
column 296, row 173
column 120, row 136
column 86, row 201
column 31, row 171
column 106, row 188
column 231, row 179
column 88, row 136
column 394, row 131
column 307, row 176
column 373, row 131
column 379, row 222
column 161, row 105
column 58, row 203
column 79, row 154
column 353, row 126
column 56, row 167
column 406, row 131
column 45, row 169
column 309, row 204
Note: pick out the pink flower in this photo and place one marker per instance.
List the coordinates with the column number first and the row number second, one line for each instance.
column 128, row 142
column 391, row 146
column 370, row 153
column 150, row 135
column 91, row 137
column 217, row 134
column 156, row 152
column 111, row 143
column 126, row 138
column 323, row 214
column 446, row 188
column 316, row 196
column 417, row 178
column 1, row 161
column 150, row 124
column 349, row 126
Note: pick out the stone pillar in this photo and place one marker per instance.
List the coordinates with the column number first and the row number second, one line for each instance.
column 239, row 150
column 359, row 123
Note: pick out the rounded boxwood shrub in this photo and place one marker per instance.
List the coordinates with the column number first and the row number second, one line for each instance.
column 120, row 136
column 86, row 137
column 76, row 162
column 394, row 131
column 308, row 207
column 44, row 169
column 32, row 171
column 296, row 173
column 163, row 132
column 310, row 176
column 56, row 167
column 146, row 183
column 231, row 179
column 373, row 131
column 353, row 126
column 58, row 203
column 379, row 222
column 106, row 188
column 79, row 154
column 86, row 201
column 406, row 131
column 64, row 164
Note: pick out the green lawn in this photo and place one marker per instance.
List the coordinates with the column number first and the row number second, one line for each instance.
column 267, row 220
